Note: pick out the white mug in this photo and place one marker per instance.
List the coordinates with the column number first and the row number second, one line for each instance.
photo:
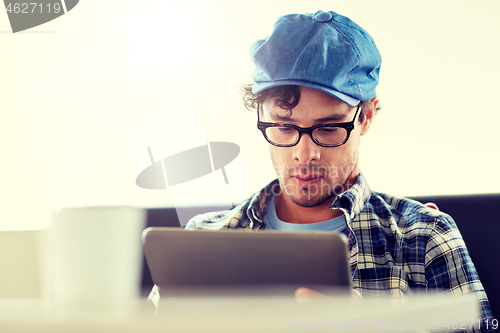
column 98, row 254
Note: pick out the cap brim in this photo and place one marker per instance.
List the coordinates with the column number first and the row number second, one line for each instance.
column 261, row 86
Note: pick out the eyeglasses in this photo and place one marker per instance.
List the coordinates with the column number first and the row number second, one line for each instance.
column 325, row 135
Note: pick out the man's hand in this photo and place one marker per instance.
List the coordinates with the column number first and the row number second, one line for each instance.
column 305, row 294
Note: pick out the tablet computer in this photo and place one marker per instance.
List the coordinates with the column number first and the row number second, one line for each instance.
column 199, row 261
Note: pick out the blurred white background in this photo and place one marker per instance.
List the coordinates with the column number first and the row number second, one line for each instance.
column 73, row 89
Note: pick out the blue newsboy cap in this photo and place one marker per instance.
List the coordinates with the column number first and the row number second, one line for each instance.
column 324, row 51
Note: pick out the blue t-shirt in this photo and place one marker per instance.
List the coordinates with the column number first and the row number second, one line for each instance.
column 274, row 223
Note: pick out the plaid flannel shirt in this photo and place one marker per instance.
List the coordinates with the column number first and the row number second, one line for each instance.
column 396, row 245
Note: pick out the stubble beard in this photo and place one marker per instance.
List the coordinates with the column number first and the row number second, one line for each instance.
column 333, row 181
column 308, row 197
column 325, row 189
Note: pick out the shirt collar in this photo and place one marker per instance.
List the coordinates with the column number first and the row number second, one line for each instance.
column 353, row 200
column 259, row 203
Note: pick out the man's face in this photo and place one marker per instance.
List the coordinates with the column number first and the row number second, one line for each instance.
column 308, row 173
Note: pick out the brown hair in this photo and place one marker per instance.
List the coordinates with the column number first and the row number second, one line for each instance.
column 286, row 97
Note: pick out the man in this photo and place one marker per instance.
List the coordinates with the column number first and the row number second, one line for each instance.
column 314, row 93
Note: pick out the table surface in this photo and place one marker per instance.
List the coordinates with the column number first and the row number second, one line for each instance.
column 231, row 314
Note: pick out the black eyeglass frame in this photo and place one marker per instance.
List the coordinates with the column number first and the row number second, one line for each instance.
column 348, row 126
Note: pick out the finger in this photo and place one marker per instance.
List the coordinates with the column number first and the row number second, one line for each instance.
column 305, row 294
